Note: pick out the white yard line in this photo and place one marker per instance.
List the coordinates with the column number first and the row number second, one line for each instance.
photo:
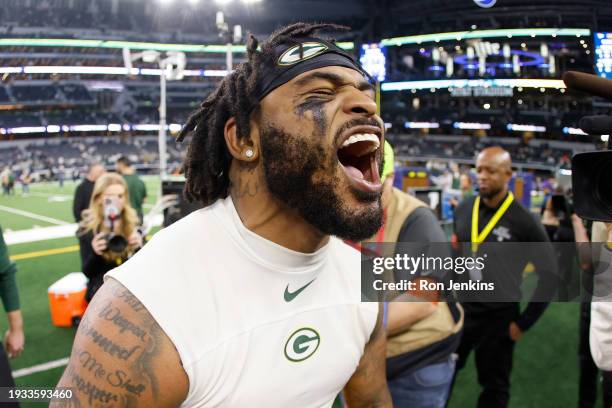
column 34, row 216
column 40, row 234
column 40, row 367
column 57, row 231
column 47, row 195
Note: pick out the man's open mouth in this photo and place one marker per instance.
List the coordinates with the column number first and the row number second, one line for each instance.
column 358, row 154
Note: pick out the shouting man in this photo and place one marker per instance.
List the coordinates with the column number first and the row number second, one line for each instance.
column 254, row 300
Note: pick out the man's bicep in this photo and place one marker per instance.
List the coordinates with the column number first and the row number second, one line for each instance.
column 368, row 385
column 121, row 357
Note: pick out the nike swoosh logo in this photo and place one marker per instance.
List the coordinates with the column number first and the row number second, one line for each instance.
column 289, row 296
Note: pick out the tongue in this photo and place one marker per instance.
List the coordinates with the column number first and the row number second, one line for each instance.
column 354, row 172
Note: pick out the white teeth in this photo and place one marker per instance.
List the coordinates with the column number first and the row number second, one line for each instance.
column 361, row 138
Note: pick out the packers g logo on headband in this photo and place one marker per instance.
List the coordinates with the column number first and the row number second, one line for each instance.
column 309, row 50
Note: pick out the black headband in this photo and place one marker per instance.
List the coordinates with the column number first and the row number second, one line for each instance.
column 291, row 60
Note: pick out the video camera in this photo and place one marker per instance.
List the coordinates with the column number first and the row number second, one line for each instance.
column 115, row 242
column 591, row 171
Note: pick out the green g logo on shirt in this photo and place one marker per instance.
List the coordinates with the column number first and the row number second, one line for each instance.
column 302, row 344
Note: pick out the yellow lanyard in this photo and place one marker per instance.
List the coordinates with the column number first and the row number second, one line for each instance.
column 478, row 238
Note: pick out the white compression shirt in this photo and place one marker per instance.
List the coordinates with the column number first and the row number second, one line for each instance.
column 255, row 324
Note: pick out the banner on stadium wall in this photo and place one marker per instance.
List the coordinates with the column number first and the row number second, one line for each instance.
column 481, row 91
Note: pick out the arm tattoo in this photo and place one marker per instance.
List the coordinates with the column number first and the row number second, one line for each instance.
column 112, row 362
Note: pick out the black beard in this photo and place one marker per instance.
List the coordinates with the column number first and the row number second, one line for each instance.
column 290, row 163
column 490, row 194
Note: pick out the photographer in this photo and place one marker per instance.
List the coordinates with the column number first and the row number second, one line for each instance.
column 108, row 236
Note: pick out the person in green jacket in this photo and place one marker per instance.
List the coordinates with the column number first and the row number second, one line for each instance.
column 136, row 187
column 14, row 338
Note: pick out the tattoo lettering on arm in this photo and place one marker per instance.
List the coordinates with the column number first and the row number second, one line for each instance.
column 121, row 357
column 367, row 388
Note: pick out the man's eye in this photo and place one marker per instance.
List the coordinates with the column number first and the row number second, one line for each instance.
column 322, row 91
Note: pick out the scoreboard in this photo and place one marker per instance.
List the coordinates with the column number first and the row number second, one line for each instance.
column 603, row 54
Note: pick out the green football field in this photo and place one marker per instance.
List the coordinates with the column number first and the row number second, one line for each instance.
column 545, row 365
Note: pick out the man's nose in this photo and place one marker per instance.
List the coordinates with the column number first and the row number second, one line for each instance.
column 357, row 102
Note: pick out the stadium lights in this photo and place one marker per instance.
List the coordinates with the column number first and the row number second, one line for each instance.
column 462, row 83
column 11, row 70
column 88, row 128
column 25, row 129
column 479, row 34
column 573, row 131
column 78, row 69
column 421, row 125
column 133, row 45
column 146, row 127
column 525, row 128
column 471, row 125
column 112, row 127
column 222, row 2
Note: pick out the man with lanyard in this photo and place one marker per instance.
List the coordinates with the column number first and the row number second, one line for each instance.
column 254, row 301
column 491, row 328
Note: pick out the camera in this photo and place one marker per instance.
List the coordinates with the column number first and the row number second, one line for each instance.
column 591, row 173
column 591, row 170
column 115, row 242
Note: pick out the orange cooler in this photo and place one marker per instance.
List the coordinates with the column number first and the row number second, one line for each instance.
column 67, row 299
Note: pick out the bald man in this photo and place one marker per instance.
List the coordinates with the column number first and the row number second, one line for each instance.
column 83, row 192
column 492, row 328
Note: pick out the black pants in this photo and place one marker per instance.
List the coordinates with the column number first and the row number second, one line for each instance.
column 487, row 334
column 587, row 386
column 607, row 388
column 6, row 377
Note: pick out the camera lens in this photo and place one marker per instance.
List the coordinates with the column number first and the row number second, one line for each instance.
column 603, row 187
column 117, row 243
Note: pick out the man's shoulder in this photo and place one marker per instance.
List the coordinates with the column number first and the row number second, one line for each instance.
column 83, row 184
column 191, row 233
column 117, row 330
column 422, row 226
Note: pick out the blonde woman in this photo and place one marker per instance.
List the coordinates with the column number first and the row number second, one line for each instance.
column 108, row 233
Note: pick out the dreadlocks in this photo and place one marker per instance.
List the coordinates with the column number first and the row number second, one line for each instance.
column 207, row 161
